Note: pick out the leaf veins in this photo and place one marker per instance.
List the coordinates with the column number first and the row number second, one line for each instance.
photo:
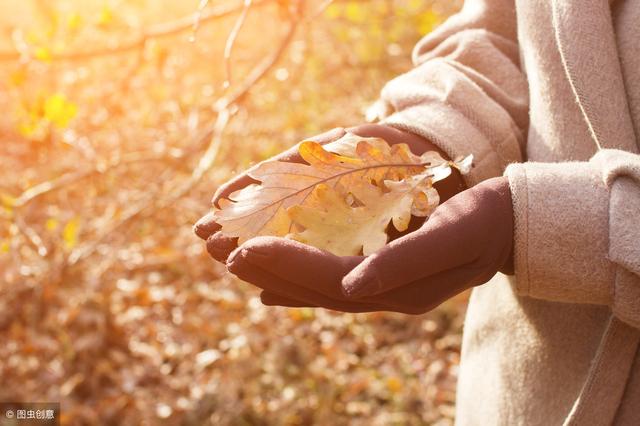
column 341, row 203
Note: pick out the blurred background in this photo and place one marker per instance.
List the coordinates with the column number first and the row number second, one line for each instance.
column 119, row 119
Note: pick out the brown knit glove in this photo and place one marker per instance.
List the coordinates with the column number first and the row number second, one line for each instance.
column 463, row 244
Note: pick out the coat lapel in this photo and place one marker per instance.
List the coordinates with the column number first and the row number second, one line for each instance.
column 586, row 39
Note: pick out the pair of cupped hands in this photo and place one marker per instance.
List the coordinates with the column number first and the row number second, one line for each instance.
column 467, row 239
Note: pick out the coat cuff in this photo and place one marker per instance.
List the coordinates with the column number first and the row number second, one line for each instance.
column 577, row 231
column 561, row 234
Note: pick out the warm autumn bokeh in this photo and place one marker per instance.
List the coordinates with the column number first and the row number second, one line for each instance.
column 116, row 127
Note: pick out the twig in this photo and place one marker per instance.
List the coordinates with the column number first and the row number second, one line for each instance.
column 196, row 20
column 325, row 4
column 191, row 22
column 74, row 177
column 88, row 248
column 260, row 71
column 156, row 31
column 231, row 40
column 32, row 236
column 207, row 160
column 226, row 109
column 207, row 134
column 224, row 106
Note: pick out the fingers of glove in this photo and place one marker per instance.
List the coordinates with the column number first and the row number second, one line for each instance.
column 460, row 231
column 392, row 135
column 426, row 294
column 329, row 136
column 414, row 224
column 206, row 226
column 272, row 299
column 295, row 262
column 274, row 284
column 220, row 246
column 292, row 155
column 441, row 244
column 234, row 184
column 500, row 204
column 415, row 298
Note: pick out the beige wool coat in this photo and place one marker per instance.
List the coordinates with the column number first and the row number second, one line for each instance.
column 548, row 93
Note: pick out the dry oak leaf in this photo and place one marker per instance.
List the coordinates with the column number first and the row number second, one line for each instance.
column 341, row 203
column 331, row 223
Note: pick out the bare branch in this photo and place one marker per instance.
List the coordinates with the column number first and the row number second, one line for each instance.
column 32, row 236
column 191, row 22
column 231, row 40
column 325, row 4
column 225, row 105
column 226, row 108
column 75, row 177
column 156, row 31
column 259, row 71
column 208, row 134
column 196, row 21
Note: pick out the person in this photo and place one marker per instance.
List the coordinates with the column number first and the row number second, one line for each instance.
column 546, row 96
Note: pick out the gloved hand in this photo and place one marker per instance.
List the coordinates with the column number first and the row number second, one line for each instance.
column 220, row 246
column 463, row 244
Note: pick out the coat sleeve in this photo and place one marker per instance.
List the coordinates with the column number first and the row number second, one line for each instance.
column 466, row 93
column 577, row 231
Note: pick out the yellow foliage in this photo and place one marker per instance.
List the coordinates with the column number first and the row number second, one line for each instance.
column 354, row 12
column 301, row 314
column 51, row 224
column 42, row 54
column 428, row 21
column 54, row 110
column 18, row 77
column 58, row 110
column 394, row 384
column 70, row 233
column 105, row 17
column 7, row 200
column 74, row 22
column 332, row 11
column 30, row 127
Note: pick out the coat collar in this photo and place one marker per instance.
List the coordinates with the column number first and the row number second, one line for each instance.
column 586, row 40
